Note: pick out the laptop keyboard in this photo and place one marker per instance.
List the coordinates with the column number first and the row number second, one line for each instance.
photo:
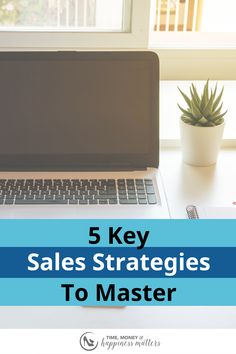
column 76, row 191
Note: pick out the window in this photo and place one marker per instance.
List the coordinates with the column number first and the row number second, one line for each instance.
column 177, row 15
column 79, row 15
column 61, row 24
column 193, row 23
column 195, row 15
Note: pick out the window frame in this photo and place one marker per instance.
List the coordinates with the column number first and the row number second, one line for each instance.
column 136, row 37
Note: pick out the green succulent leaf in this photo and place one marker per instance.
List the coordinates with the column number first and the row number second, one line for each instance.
column 218, row 99
column 202, row 121
column 195, row 110
column 186, row 119
column 203, row 110
column 195, row 98
column 220, row 116
column 195, row 93
column 217, row 112
column 187, row 113
column 210, row 124
column 187, row 100
column 215, row 90
column 209, row 106
column 219, row 121
column 205, row 96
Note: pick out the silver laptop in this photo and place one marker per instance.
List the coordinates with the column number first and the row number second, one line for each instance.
column 79, row 135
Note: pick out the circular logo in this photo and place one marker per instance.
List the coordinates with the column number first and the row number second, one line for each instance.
column 88, row 341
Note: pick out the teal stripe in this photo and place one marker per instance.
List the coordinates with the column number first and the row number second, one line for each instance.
column 55, row 233
column 48, row 292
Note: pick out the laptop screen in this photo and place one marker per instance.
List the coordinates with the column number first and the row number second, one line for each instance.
column 76, row 110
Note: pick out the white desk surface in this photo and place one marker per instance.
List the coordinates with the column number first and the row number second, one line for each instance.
column 184, row 184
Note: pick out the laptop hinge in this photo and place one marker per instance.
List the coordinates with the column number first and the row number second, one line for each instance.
column 114, row 168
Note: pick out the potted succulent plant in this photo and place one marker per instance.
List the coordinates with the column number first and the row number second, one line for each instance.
column 202, row 125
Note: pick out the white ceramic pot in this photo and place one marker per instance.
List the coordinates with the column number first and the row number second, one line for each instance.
column 200, row 145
